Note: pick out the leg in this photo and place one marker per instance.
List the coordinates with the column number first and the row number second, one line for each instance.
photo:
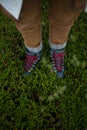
column 62, row 14
column 29, row 23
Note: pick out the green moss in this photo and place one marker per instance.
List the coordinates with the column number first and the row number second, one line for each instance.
column 41, row 101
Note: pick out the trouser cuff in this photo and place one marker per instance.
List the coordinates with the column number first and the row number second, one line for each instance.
column 34, row 49
column 57, row 46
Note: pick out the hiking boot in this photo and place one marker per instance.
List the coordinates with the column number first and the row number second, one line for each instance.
column 31, row 61
column 57, row 57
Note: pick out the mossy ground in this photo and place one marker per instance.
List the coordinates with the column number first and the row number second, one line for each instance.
column 41, row 101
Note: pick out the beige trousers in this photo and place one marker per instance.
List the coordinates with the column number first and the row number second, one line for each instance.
column 61, row 16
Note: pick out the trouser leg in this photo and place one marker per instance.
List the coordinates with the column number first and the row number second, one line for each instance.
column 29, row 23
column 62, row 15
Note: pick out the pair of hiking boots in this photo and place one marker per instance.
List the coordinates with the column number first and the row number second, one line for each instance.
column 57, row 58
